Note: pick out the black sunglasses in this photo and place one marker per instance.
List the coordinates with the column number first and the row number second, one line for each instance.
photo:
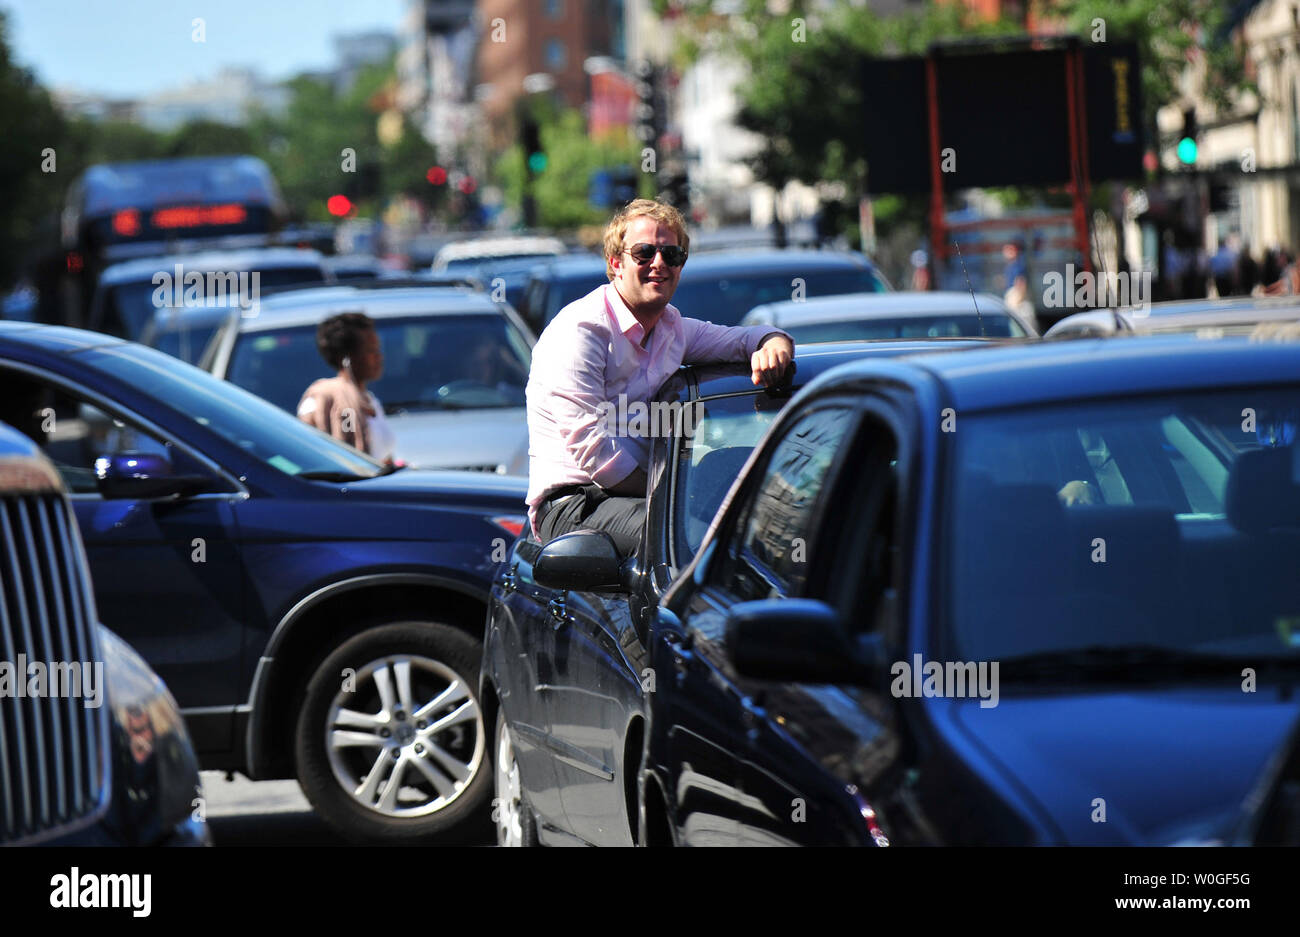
column 643, row 254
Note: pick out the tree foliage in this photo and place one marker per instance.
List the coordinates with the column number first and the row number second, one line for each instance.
column 802, row 94
column 29, row 196
column 561, row 190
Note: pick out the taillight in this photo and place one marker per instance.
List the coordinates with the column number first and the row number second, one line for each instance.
column 511, row 524
column 127, row 222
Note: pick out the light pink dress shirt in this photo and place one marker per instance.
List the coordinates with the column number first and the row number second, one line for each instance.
column 591, row 353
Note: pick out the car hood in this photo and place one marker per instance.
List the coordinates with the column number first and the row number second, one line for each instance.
column 483, row 489
column 1171, row 765
column 479, row 440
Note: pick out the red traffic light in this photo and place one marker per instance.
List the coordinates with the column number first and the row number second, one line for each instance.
column 467, row 185
column 436, row 175
column 339, row 205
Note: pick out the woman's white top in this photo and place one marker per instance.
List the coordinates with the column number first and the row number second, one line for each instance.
column 383, row 441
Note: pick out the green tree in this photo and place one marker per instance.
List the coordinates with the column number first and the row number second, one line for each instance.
column 1167, row 33
column 562, row 189
column 208, row 138
column 34, row 134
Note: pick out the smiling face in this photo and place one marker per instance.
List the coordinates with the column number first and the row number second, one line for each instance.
column 645, row 289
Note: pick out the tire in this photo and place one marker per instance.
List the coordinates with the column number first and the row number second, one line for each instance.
column 512, row 814
column 359, row 727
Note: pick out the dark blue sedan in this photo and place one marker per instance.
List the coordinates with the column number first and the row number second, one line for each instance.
column 315, row 614
column 1028, row 595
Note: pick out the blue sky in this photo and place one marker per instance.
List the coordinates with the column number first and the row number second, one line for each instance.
column 124, row 48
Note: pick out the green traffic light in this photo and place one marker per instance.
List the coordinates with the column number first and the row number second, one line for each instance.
column 1187, row 151
column 537, row 162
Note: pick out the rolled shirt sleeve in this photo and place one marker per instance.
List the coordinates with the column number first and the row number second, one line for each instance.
column 708, row 343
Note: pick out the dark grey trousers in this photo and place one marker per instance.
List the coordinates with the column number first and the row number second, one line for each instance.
column 594, row 508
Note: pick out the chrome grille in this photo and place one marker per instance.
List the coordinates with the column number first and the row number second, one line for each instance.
column 53, row 749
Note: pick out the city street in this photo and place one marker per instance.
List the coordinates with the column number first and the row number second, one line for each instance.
column 628, row 423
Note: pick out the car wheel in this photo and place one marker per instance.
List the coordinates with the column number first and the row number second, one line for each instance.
column 516, row 825
column 390, row 741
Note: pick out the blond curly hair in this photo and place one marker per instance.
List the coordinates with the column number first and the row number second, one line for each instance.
column 642, row 207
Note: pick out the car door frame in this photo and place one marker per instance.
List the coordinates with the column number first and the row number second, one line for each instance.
column 703, row 686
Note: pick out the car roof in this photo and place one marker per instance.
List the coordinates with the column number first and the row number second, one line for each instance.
column 174, row 319
column 766, row 260
column 855, row 306
column 576, row 263
column 813, row 360
column 309, row 307
column 55, row 338
column 487, row 248
column 1015, row 374
column 258, row 258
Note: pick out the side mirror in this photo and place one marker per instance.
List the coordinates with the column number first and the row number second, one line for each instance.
column 142, row 475
column 792, row 641
column 584, row 560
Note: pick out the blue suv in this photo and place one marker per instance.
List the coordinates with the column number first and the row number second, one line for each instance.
column 315, row 614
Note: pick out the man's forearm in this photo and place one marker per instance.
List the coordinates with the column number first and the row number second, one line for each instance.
column 631, row 487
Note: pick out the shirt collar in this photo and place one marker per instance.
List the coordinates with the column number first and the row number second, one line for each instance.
column 628, row 323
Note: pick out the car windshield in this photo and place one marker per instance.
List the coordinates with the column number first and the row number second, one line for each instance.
column 442, row 362
column 725, row 298
column 724, row 433
column 129, row 307
column 266, row 433
column 989, row 325
column 186, row 343
column 1169, row 523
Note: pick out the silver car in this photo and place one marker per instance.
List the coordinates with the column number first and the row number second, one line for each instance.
column 455, row 366
column 1238, row 315
column 855, row 316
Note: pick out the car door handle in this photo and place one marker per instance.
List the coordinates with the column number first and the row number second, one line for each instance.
column 677, row 647
column 558, row 611
column 751, row 717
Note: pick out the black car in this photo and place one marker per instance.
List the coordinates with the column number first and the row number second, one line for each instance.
column 317, row 614
column 93, row 750
column 956, row 599
column 566, row 669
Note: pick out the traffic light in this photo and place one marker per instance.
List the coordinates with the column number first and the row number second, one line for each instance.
column 1187, row 140
column 649, row 109
column 676, row 191
column 531, row 137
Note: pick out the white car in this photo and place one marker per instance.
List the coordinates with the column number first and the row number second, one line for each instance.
column 455, row 366
column 468, row 255
column 855, row 316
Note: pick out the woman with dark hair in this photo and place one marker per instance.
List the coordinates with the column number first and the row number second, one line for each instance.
column 341, row 405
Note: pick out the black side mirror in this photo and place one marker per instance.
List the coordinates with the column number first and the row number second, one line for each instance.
column 792, row 641
column 584, row 560
column 142, row 475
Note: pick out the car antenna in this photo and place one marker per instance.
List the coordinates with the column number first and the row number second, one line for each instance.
column 972, row 291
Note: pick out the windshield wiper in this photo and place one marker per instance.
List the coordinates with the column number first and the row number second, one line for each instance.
column 391, row 408
column 1138, row 661
column 331, row 476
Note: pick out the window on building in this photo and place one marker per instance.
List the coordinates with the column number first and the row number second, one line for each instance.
column 554, row 54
